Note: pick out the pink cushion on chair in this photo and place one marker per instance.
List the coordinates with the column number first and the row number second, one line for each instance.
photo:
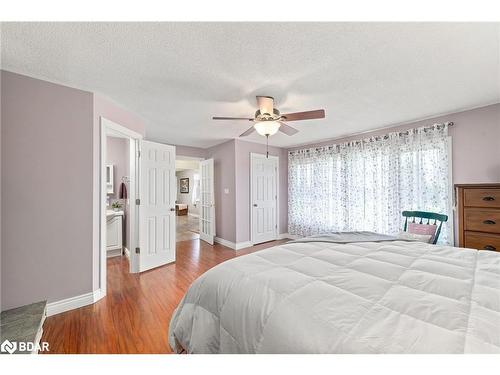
column 416, row 228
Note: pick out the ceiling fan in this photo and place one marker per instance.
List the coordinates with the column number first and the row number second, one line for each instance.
column 268, row 120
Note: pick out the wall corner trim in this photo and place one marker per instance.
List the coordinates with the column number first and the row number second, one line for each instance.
column 72, row 303
column 98, row 294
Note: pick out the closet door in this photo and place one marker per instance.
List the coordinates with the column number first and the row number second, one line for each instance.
column 264, row 198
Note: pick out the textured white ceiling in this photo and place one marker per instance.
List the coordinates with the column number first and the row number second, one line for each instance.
column 177, row 75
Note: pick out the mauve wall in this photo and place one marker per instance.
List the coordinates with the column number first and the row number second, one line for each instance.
column 0, row 193
column 118, row 155
column 475, row 138
column 110, row 110
column 476, row 144
column 242, row 154
column 192, row 152
column 224, row 178
column 46, row 191
column 50, row 150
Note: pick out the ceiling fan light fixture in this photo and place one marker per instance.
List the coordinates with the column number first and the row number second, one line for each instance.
column 266, row 128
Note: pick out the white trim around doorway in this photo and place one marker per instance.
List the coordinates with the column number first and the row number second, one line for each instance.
column 108, row 127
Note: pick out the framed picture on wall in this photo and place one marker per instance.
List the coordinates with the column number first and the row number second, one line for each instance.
column 184, row 185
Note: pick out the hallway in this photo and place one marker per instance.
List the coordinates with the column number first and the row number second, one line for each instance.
column 187, row 228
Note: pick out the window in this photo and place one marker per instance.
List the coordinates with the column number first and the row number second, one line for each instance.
column 365, row 185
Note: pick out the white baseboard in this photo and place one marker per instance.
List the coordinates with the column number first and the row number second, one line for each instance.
column 224, row 242
column 282, row 236
column 233, row 245
column 193, row 215
column 71, row 303
column 243, row 245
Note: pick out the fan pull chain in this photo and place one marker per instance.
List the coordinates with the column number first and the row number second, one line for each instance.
column 267, row 146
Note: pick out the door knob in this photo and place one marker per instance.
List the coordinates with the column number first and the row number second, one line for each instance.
column 255, row 204
column 172, row 209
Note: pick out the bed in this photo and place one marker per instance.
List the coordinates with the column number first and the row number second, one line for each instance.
column 324, row 296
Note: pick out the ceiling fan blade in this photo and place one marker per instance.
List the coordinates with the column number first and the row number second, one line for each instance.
column 248, row 132
column 287, row 129
column 231, row 118
column 266, row 104
column 308, row 115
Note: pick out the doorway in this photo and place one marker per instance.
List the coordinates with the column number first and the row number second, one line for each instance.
column 117, row 200
column 187, row 204
column 118, row 189
column 195, row 204
column 151, row 203
column 264, row 197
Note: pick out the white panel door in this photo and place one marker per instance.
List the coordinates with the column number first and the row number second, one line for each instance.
column 158, row 188
column 207, row 204
column 264, row 198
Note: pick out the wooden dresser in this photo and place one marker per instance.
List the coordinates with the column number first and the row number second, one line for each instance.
column 478, row 216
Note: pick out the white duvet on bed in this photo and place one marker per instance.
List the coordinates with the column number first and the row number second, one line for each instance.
column 388, row 297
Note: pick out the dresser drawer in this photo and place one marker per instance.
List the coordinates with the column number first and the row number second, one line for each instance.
column 482, row 241
column 482, row 198
column 482, row 220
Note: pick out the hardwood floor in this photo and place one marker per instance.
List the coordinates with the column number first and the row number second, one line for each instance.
column 134, row 315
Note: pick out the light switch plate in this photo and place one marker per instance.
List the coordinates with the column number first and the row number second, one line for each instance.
column 226, row 191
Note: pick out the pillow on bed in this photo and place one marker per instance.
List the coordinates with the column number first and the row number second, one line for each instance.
column 427, row 238
column 427, row 229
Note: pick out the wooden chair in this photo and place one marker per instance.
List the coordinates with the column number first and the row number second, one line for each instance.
column 429, row 216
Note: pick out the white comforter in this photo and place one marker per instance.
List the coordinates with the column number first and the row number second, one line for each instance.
column 388, row 297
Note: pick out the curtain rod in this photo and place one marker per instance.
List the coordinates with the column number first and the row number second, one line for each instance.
column 381, row 136
column 449, row 123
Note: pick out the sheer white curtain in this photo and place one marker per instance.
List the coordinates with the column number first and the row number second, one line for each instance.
column 365, row 185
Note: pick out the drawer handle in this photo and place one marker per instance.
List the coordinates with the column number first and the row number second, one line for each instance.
column 489, row 222
column 488, row 199
column 489, row 247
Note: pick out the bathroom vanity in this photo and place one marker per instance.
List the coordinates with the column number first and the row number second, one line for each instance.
column 114, row 232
